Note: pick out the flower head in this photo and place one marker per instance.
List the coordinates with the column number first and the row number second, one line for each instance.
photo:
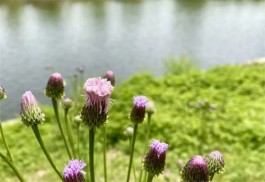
column 154, row 161
column 55, row 86
column 73, row 171
column 67, row 103
column 2, row 93
column 215, row 162
column 195, row 170
column 94, row 112
column 30, row 111
column 138, row 110
column 109, row 75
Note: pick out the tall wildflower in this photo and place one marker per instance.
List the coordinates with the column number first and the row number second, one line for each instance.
column 137, row 117
column 97, row 94
column 94, row 114
column 73, row 172
column 195, row 170
column 55, row 86
column 31, row 113
column 55, row 90
column 215, row 163
column 154, row 161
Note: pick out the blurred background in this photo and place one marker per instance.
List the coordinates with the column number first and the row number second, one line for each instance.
column 40, row 37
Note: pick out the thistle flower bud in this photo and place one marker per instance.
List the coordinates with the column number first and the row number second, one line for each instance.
column 94, row 112
column 215, row 163
column 154, row 161
column 77, row 119
column 195, row 170
column 138, row 110
column 73, row 171
column 109, row 75
column 55, row 86
column 31, row 113
column 150, row 107
column 2, row 93
column 67, row 103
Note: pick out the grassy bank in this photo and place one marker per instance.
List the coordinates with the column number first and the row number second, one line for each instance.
column 236, row 127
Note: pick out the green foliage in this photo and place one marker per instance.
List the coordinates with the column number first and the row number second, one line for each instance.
column 236, row 127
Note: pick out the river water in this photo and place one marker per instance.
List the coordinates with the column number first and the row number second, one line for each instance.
column 125, row 36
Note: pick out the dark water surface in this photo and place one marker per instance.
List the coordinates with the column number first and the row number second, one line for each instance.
column 124, row 36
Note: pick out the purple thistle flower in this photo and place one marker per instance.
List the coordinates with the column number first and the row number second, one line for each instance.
column 2, row 93
column 94, row 112
column 154, row 161
column 195, row 170
column 55, row 86
column 30, row 111
column 73, row 171
column 109, row 75
column 215, row 162
column 138, row 110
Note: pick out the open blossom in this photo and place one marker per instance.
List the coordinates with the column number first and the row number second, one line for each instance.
column 109, row 75
column 97, row 93
column 138, row 110
column 31, row 113
column 195, row 170
column 55, row 86
column 73, row 171
column 2, row 93
column 215, row 162
column 154, row 161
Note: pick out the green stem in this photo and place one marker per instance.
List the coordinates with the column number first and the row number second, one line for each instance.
column 69, row 133
column 91, row 154
column 5, row 143
column 55, row 107
column 105, row 153
column 148, row 126
column 78, row 140
column 12, row 165
column 140, row 176
column 150, row 178
column 38, row 136
column 132, row 151
column 147, row 140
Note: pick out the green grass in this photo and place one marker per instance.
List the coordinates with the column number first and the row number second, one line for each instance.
column 236, row 127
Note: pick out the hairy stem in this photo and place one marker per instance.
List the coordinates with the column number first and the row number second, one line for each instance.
column 91, row 154
column 38, row 136
column 55, row 107
column 132, row 151
column 5, row 143
column 12, row 165
column 69, row 133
